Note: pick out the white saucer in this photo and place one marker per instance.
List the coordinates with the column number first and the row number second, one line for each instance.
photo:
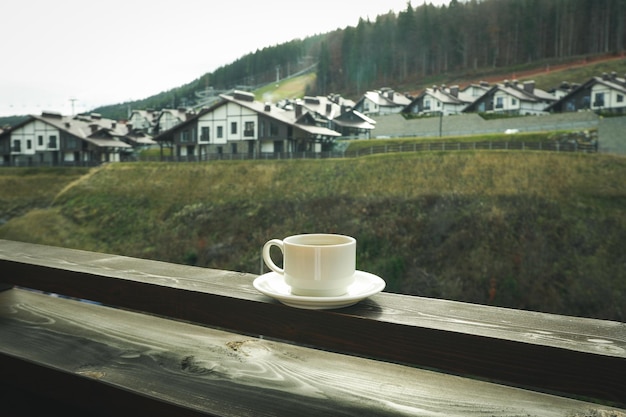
column 365, row 285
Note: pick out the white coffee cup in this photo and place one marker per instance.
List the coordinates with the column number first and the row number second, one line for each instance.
column 318, row 265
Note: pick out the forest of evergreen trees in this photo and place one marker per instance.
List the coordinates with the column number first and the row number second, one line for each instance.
column 466, row 36
column 399, row 49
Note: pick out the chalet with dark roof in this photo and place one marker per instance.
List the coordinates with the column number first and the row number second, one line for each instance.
column 382, row 102
column 338, row 114
column 53, row 139
column 439, row 101
column 240, row 124
column 512, row 97
column 604, row 94
column 354, row 124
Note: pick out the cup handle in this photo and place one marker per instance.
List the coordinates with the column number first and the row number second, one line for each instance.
column 267, row 257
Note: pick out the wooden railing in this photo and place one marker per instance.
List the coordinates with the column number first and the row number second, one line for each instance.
column 164, row 339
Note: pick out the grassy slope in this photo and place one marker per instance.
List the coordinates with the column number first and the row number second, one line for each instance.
column 23, row 189
column 537, row 231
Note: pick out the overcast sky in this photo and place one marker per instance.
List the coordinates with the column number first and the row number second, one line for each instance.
column 112, row 51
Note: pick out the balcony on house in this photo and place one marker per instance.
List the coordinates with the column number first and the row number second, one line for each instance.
column 87, row 333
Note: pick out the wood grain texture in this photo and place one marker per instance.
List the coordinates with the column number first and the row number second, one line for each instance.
column 568, row 355
column 98, row 358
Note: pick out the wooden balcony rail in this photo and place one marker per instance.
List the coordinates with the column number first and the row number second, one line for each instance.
column 165, row 339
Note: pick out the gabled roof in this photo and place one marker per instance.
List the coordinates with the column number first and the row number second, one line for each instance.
column 451, row 95
column 387, row 98
column 180, row 114
column 355, row 119
column 91, row 128
column 481, row 86
column 149, row 116
column 333, row 108
column 247, row 100
column 322, row 105
column 289, row 117
column 140, row 138
column 524, row 93
column 611, row 81
column 163, row 136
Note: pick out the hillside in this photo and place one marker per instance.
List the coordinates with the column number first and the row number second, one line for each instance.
column 418, row 47
column 536, row 231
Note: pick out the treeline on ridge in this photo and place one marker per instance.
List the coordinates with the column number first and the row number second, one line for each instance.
column 419, row 42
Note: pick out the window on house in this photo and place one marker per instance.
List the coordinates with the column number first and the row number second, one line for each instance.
column 513, row 102
column 273, row 129
column 29, row 144
column 233, row 148
column 599, row 100
column 426, row 104
column 40, row 140
column 184, row 136
column 52, row 141
column 220, row 131
column 248, row 130
column 17, row 146
column 233, row 128
column 620, row 98
column 262, row 129
column 205, row 133
column 499, row 102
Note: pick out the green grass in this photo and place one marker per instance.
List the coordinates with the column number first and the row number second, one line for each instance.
column 533, row 230
column 289, row 88
column 361, row 144
column 579, row 73
column 22, row 189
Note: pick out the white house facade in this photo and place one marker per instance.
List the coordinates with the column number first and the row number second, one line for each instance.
column 608, row 95
column 143, row 120
column 439, row 101
column 382, row 102
column 240, row 124
column 53, row 139
column 168, row 118
column 36, row 138
column 603, row 94
column 512, row 98
column 231, row 125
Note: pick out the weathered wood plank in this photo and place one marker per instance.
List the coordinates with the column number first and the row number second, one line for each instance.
column 575, row 356
column 116, row 362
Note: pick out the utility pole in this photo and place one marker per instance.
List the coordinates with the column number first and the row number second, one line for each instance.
column 72, row 100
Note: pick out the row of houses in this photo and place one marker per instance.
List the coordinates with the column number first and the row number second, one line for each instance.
column 240, row 124
column 600, row 94
column 237, row 123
